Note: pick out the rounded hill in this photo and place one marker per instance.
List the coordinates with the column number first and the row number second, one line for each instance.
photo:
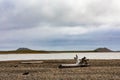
column 102, row 50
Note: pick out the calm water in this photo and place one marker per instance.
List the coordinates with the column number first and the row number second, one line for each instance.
column 7, row 57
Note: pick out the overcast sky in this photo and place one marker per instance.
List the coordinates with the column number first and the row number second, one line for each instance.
column 59, row 24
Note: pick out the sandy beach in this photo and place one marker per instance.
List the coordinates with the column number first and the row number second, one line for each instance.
column 48, row 70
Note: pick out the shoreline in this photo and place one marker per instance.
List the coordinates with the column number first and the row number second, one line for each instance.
column 59, row 60
column 48, row 70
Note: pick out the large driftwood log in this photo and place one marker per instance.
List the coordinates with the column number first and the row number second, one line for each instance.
column 73, row 65
column 79, row 63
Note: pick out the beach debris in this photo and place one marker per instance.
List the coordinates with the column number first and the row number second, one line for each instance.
column 15, row 65
column 25, row 73
column 79, row 63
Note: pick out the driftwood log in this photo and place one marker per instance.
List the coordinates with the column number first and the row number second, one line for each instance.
column 72, row 65
column 79, row 63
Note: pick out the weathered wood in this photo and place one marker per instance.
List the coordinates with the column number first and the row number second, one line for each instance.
column 73, row 65
column 79, row 63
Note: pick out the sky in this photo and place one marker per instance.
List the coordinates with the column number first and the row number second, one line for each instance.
column 59, row 24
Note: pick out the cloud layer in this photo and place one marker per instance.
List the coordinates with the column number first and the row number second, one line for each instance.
column 44, row 24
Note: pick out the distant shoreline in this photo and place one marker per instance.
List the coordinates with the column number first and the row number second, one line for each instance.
column 30, row 51
column 49, row 52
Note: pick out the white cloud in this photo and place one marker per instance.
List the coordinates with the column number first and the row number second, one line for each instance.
column 31, row 13
column 72, row 17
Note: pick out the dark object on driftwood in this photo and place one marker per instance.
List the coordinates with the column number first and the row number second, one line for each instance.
column 79, row 63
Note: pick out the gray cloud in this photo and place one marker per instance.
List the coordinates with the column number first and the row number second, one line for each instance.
column 31, row 20
column 26, row 14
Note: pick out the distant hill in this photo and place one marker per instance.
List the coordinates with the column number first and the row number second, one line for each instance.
column 24, row 50
column 27, row 50
column 103, row 50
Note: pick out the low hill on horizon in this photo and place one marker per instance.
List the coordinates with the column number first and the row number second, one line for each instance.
column 24, row 50
column 103, row 50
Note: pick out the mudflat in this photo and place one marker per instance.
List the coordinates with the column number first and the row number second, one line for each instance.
column 48, row 70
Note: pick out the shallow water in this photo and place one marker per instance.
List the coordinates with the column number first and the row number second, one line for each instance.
column 8, row 57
